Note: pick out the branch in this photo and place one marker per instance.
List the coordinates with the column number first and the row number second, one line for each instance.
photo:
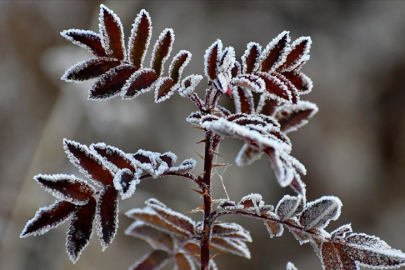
column 185, row 175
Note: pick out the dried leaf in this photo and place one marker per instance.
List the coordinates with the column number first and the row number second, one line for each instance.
column 184, row 262
column 89, row 69
column 87, row 162
column 162, row 50
column 48, row 218
column 80, row 229
column 274, row 228
column 114, row 156
column 112, row 33
column 66, row 187
column 334, row 258
column 140, row 37
column 85, row 39
column 320, row 212
column 289, row 206
column 247, row 155
column 231, row 246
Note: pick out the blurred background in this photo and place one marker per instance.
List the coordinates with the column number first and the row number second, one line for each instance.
column 353, row 148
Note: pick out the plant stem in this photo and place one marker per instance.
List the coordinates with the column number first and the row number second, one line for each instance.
column 205, row 240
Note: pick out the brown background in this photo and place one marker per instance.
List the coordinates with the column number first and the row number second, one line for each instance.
column 354, row 148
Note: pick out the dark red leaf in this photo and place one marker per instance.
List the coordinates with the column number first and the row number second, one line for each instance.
column 236, row 69
column 231, row 246
column 164, row 89
column 251, row 57
column 125, row 182
column 113, row 155
column 107, row 215
column 302, row 83
column 291, row 87
column 161, row 50
column 48, row 218
column 334, row 258
column 266, row 106
column 112, row 33
column 66, row 187
column 179, row 62
column 80, row 229
column 299, row 53
column 86, row 39
column 88, row 163
column 291, row 117
column 212, row 56
column 243, row 100
column 168, row 158
column 111, row 83
column 89, row 69
column 140, row 82
column 140, row 37
column 274, row 53
column 154, row 260
column 275, row 89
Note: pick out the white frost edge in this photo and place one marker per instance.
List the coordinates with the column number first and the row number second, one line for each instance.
column 194, row 81
column 184, row 65
column 247, row 53
column 336, row 204
column 304, row 56
column 270, row 47
column 158, row 43
column 132, row 37
column 207, row 55
column 132, row 184
column 131, row 79
column 88, row 33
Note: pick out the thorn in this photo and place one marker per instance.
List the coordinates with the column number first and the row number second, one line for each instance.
column 200, row 128
column 222, row 164
column 203, row 140
column 198, row 191
column 205, row 192
column 200, row 208
column 199, row 155
column 215, row 255
column 216, row 200
column 203, row 173
column 215, row 153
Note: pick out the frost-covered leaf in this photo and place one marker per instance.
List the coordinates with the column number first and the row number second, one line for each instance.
column 283, row 169
column 236, row 247
column 48, row 218
column 140, row 37
column 89, row 69
column 188, row 84
column 153, row 260
column 178, row 220
column 275, row 88
column 164, row 89
column 252, row 202
column 293, row 116
column 236, row 70
column 107, row 216
column 249, row 82
column 289, row 206
column 226, row 205
column 334, row 258
column 275, row 53
column 66, row 187
column 342, row 231
column 140, row 82
column 87, row 162
column 125, row 182
column 80, row 229
column 146, row 160
column 184, row 262
column 247, row 155
column 231, row 231
column 227, row 60
column 301, row 82
column 301, row 236
column 186, row 165
column 266, row 106
column 111, row 83
column 168, row 157
column 162, row 50
column 291, row 266
column 299, row 53
column 243, row 100
column 298, row 185
column 85, row 39
column 155, row 238
column 150, row 217
column 116, row 158
column 290, row 86
column 320, row 212
column 251, row 57
column 274, row 228
column 212, row 58
column 179, row 62
column 112, row 33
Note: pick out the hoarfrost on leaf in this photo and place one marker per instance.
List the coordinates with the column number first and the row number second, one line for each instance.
column 140, row 37
column 319, row 213
column 161, row 50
